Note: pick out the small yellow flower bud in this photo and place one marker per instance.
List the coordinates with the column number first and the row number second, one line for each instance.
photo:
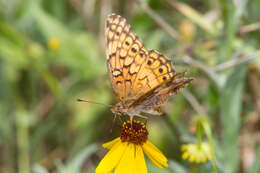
column 54, row 43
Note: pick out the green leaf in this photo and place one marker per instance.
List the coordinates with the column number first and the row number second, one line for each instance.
column 230, row 108
column 12, row 53
column 75, row 164
column 78, row 50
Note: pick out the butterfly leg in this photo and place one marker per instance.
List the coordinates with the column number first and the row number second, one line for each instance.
column 131, row 119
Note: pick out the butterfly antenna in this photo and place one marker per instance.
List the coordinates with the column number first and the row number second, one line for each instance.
column 87, row 101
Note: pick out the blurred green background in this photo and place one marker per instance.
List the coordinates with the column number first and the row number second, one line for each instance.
column 52, row 52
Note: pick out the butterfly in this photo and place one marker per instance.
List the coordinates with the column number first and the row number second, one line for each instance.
column 142, row 79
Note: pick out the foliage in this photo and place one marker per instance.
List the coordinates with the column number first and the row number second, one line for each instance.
column 44, row 129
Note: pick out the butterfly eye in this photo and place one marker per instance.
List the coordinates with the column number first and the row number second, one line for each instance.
column 164, row 78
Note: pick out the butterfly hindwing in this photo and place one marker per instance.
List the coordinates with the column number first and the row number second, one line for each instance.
column 154, row 71
column 151, row 101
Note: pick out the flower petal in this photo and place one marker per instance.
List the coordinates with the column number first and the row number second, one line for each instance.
column 127, row 163
column 154, row 147
column 154, row 154
column 139, row 160
column 109, row 145
column 112, row 158
column 155, row 162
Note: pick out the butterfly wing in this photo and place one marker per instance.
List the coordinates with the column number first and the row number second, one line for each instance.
column 125, row 54
column 133, row 69
column 151, row 101
column 154, row 72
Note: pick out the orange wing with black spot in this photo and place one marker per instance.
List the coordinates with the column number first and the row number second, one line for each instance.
column 133, row 69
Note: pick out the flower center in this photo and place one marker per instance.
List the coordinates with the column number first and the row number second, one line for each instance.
column 134, row 132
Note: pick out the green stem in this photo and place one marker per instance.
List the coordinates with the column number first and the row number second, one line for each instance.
column 213, row 161
column 22, row 142
column 229, row 29
column 199, row 133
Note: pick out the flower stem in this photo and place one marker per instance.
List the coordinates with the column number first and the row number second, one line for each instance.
column 207, row 130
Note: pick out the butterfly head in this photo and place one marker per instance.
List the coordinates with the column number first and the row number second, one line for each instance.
column 119, row 109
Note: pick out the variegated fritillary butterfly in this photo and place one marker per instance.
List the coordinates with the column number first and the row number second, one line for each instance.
column 142, row 79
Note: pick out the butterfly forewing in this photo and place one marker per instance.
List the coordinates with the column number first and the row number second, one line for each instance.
column 133, row 69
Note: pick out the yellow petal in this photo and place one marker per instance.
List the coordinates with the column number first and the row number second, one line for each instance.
column 155, row 162
column 127, row 163
column 140, row 161
column 154, row 154
column 183, row 147
column 109, row 145
column 159, row 155
column 112, row 158
column 192, row 158
column 185, row 155
column 154, row 147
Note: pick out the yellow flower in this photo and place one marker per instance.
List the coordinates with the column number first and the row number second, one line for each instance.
column 198, row 153
column 126, row 153
column 54, row 43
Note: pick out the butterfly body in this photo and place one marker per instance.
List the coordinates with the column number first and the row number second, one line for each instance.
column 142, row 79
